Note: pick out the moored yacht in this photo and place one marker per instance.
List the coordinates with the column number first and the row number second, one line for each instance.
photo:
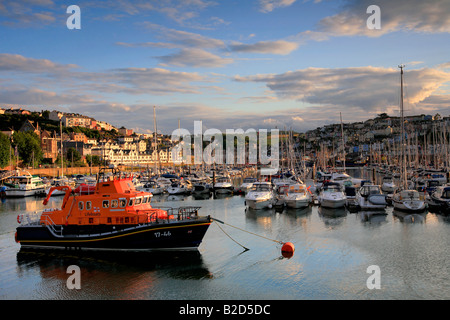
column 298, row 196
column 440, row 199
column 370, row 197
column 409, row 200
column 202, row 187
column 247, row 184
column 179, row 188
column 24, row 186
column 332, row 196
column 388, row 184
column 151, row 186
column 261, row 196
column 223, row 185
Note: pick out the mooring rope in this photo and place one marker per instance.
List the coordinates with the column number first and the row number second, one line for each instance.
column 258, row 235
column 232, row 238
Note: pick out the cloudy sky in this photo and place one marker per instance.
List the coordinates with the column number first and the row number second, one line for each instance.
column 230, row 63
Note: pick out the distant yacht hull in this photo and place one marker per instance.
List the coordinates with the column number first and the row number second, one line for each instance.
column 333, row 203
column 21, row 193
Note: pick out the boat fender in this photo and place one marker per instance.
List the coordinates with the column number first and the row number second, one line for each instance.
column 15, row 237
column 19, row 218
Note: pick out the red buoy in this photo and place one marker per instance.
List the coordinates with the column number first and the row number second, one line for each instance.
column 287, row 250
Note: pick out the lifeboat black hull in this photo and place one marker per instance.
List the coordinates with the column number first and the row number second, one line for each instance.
column 183, row 235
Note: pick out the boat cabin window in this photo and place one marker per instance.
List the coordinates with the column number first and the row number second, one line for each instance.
column 368, row 190
column 261, row 187
column 88, row 205
column 122, row 202
column 131, row 202
column 80, row 205
column 105, row 204
column 114, row 203
column 145, row 199
column 138, row 200
column 446, row 194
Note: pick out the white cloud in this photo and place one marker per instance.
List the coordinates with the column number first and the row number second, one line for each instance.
column 270, row 5
column 18, row 63
column 195, row 58
column 369, row 89
column 399, row 15
column 281, row 47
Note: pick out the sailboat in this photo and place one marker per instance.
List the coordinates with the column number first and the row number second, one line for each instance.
column 405, row 199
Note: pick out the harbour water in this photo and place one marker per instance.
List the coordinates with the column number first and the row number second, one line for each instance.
column 333, row 251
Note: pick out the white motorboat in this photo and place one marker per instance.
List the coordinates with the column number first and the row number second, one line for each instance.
column 388, row 184
column 202, row 187
column 370, row 197
column 440, row 198
column 223, row 185
column 85, row 179
column 63, row 181
column 247, row 184
column 298, row 196
column 178, row 188
column 24, row 186
column 261, row 196
column 341, row 178
column 332, row 196
column 163, row 182
column 151, row 186
column 409, row 200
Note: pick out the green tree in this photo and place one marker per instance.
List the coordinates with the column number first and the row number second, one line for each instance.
column 5, row 145
column 73, row 155
column 94, row 159
column 29, row 147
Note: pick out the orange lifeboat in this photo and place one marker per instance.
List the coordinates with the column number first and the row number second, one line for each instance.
column 113, row 215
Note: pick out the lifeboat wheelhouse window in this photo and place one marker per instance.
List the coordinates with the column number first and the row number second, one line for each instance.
column 88, row 205
column 145, row 199
column 122, row 202
column 138, row 200
column 80, row 205
column 114, row 203
column 105, row 204
column 131, row 202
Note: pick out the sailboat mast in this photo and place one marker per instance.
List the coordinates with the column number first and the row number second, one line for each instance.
column 62, row 153
column 404, row 177
column 342, row 137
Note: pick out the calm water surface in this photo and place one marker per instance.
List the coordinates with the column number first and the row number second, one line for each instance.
column 333, row 249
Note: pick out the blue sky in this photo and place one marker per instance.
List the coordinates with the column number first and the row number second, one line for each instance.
column 232, row 64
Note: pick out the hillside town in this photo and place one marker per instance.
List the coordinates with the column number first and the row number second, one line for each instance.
column 102, row 142
column 92, row 142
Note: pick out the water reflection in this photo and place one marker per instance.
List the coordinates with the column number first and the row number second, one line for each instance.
column 332, row 217
column 179, row 264
column 408, row 217
column 297, row 213
column 373, row 217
